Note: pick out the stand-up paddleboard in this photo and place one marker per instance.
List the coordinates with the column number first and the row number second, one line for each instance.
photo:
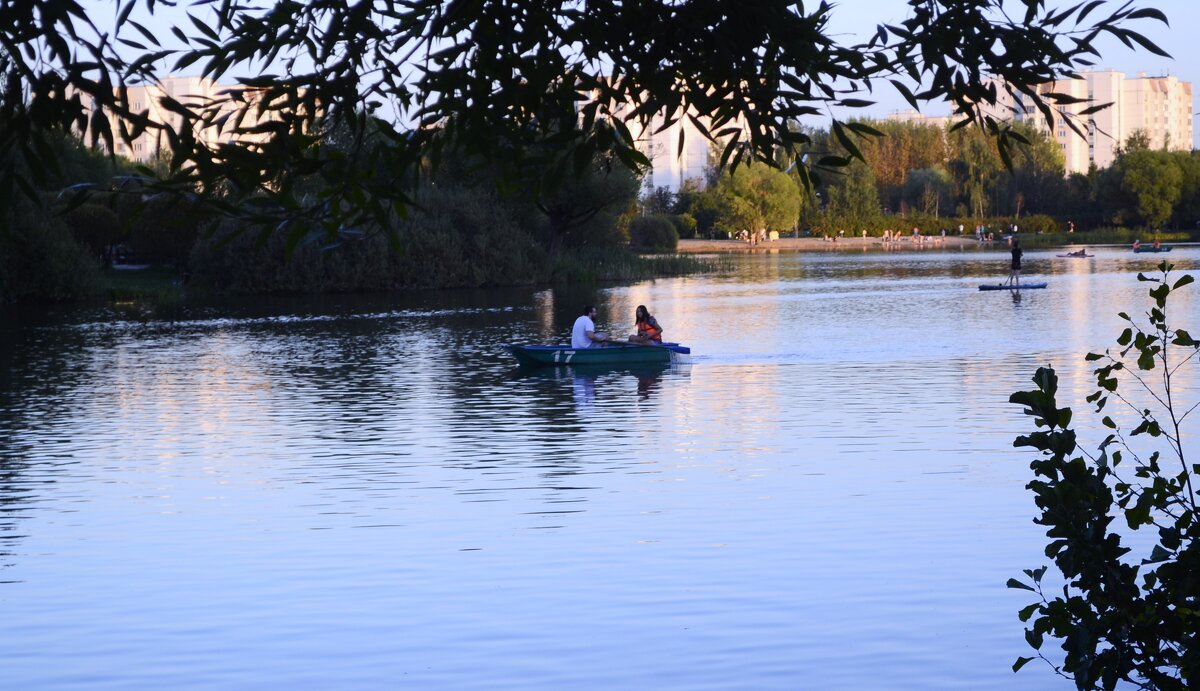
column 1006, row 286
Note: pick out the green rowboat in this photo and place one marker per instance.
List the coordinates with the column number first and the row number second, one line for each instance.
column 611, row 354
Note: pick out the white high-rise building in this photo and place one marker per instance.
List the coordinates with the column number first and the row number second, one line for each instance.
column 195, row 93
column 1161, row 107
column 671, row 166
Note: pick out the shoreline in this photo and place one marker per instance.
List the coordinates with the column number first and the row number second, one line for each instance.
column 697, row 246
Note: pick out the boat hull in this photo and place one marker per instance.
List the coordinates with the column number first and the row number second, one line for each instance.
column 1141, row 250
column 547, row 355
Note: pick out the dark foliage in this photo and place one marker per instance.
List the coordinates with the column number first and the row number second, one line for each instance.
column 653, row 233
column 1129, row 609
column 502, row 80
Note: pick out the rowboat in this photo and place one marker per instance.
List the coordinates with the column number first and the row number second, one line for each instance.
column 611, row 354
column 1164, row 248
column 1009, row 286
column 1076, row 256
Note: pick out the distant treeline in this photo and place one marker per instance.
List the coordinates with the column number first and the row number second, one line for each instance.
column 925, row 176
column 460, row 231
column 469, row 226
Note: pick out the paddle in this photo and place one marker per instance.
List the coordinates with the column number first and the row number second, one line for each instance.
column 651, row 344
column 673, row 347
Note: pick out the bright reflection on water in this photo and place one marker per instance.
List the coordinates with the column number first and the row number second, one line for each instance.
column 365, row 492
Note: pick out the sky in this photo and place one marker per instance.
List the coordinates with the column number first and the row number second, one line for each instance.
column 854, row 20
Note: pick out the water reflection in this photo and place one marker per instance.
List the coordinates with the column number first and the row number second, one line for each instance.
column 251, row 485
column 584, row 378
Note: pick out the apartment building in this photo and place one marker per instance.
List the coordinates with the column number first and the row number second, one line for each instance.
column 670, row 165
column 193, row 92
column 1161, row 107
column 916, row 117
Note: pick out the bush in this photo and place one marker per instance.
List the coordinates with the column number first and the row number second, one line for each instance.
column 685, row 225
column 653, row 233
column 39, row 260
column 242, row 259
column 1038, row 223
column 96, row 227
column 456, row 237
column 163, row 228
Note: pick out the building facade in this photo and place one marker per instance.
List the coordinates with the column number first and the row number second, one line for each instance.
column 194, row 93
column 671, row 166
column 678, row 152
column 1160, row 107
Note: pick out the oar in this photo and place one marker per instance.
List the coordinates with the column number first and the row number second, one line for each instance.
column 613, row 341
column 673, row 347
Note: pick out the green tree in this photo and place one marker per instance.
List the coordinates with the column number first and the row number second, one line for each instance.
column 1126, row 612
column 1035, row 183
column 851, row 200
column 1154, row 182
column 582, row 210
column 503, row 79
column 660, row 200
column 905, row 147
column 1187, row 211
column 1080, row 202
column 736, row 214
column 756, row 198
column 976, row 168
column 928, row 189
column 702, row 205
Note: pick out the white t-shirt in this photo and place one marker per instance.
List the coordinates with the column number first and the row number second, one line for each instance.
column 579, row 337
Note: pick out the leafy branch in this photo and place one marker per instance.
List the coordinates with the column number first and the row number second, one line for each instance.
column 1122, row 616
column 525, row 84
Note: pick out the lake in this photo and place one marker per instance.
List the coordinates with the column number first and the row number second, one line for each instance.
column 364, row 492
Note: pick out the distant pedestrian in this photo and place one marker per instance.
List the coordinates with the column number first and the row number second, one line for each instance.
column 1014, row 276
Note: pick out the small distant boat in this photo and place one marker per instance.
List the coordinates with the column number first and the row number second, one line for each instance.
column 1164, row 248
column 612, row 354
column 1008, row 286
column 1075, row 256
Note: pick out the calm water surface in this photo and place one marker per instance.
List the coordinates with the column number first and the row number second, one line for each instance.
column 365, row 492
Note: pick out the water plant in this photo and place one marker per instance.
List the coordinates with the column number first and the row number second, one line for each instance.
column 1129, row 606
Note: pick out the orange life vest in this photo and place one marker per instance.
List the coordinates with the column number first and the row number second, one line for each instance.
column 651, row 331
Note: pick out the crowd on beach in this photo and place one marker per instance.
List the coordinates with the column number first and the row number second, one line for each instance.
column 891, row 238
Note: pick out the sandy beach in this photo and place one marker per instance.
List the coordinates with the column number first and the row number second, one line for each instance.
column 820, row 245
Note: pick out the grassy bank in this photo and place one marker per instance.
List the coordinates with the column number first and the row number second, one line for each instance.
column 156, row 283
column 165, row 284
column 597, row 266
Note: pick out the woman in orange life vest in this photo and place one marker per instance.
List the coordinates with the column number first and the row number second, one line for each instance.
column 648, row 330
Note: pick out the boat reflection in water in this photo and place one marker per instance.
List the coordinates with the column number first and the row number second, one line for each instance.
column 611, row 381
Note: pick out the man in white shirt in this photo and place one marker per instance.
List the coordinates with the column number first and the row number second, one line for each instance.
column 584, row 334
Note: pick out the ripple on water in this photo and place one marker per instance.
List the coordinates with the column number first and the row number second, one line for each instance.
column 353, row 493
